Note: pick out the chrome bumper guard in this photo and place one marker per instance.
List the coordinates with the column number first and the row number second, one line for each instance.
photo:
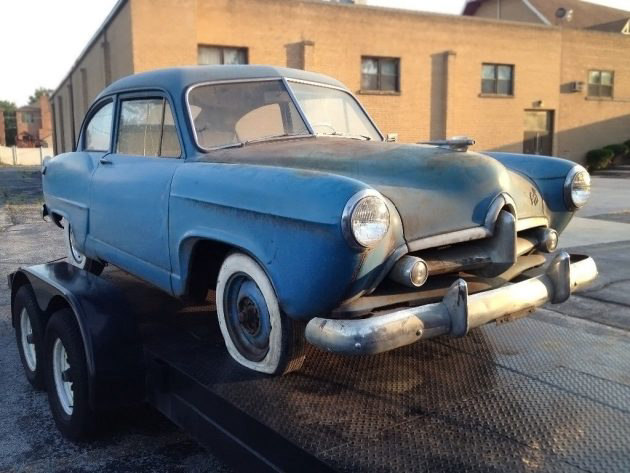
column 456, row 314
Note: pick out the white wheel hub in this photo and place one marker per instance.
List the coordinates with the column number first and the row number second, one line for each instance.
column 61, row 372
column 28, row 346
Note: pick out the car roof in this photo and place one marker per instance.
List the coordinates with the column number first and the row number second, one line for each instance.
column 176, row 79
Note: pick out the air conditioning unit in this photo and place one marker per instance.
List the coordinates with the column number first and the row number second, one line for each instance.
column 577, row 86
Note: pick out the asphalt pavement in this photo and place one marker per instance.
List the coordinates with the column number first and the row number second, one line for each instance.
column 141, row 440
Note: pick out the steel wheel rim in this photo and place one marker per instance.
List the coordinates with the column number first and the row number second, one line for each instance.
column 76, row 254
column 61, row 371
column 28, row 347
column 247, row 317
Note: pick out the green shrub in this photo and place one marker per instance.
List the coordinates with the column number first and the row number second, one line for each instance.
column 618, row 150
column 599, row 159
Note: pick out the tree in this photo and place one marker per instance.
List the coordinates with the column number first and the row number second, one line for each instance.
column 7, row 106
column 38, row 93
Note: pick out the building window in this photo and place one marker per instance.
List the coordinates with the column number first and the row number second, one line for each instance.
column 600, row 83
column 27, row 117
column 380, row 73
column 497, row 79
column 208, row 55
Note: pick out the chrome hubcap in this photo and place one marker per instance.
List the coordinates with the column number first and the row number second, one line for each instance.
column 247, row 317
column 28, row 346
column 61, row 375
column 76, row 254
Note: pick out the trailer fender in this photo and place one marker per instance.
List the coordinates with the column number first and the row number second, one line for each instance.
column 111, row 338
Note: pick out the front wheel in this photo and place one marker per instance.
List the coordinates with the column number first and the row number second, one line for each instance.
column 76, row 257
column 256, row 332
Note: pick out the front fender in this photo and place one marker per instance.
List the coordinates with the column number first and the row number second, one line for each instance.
column 288, row 220
column 549, row 174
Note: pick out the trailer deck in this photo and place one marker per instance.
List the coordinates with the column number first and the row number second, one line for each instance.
column 541, row 393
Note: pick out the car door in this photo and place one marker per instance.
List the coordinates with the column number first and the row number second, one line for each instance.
column 131, row 186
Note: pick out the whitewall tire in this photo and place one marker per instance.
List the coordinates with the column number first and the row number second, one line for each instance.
column 75, row 256
column 256, row 332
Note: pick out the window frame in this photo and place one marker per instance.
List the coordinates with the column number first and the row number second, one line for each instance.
column 222, row 48
column 599, row 96
column 94, row 109
column 145, row 95
column 496, row 93
column 378, row 60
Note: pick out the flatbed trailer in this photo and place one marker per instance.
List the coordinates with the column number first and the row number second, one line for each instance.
column 543, row 393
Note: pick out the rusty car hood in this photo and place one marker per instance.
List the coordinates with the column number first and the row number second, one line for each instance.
column 435, row 190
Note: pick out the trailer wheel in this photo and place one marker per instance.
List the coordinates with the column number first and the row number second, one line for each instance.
column 76, row 257
column 256, row 332
column 29, row 334
column 67, row 378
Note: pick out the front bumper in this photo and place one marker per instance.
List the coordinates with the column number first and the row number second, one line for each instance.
column 456, row 313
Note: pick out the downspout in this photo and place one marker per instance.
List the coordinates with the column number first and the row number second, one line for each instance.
column 54, row 125
column 72, row 130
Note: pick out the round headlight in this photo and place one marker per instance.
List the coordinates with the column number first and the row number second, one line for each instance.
column 577, row 187
column 366, row 218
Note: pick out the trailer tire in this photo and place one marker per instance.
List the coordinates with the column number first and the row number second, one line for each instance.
column 257, row 334
column 28, row 321
column 66, row 377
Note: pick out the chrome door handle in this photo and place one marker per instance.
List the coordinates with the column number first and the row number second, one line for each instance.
column 104, row 160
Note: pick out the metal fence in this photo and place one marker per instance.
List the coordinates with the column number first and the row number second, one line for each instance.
column 14, row 156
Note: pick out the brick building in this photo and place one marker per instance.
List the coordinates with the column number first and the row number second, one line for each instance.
column 514, row 86
column 34, row 124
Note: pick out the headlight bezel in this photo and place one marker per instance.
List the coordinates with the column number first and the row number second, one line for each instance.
column 568, row 187
column 347, row 217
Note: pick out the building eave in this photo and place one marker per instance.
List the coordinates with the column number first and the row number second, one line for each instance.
column 110, row 17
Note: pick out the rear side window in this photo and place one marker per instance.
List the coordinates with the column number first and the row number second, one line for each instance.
column 99, row 129
column 147, row 128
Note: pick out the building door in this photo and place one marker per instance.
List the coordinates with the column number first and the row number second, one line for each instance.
column 538, row 137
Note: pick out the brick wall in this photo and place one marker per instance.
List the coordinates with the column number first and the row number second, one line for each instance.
column 440, row 57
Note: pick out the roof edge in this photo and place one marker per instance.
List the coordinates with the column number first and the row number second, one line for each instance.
column 108, row 19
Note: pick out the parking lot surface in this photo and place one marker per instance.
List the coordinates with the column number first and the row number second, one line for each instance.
column 142, row 440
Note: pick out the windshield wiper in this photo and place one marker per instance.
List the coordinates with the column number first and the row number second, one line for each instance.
column 354, row 136
column 276, row 137
column 240, row 144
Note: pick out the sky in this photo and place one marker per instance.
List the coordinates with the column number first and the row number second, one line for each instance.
column 41, row 39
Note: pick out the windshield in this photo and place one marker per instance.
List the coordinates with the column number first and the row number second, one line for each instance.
column 333, row 112
column 234, row 113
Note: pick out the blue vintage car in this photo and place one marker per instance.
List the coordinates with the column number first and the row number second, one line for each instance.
column 275, row 189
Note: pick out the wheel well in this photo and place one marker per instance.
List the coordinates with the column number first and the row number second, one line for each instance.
column 206, row 258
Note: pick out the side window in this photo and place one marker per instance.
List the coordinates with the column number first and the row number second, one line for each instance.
column 147, row 128
column 98, row 131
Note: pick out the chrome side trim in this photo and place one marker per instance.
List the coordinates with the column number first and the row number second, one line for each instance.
column 458, row 236
column 531, row 222
column 502, row 200
column 455, row 314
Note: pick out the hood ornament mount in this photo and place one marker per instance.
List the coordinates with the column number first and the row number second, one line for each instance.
column 455, row 143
